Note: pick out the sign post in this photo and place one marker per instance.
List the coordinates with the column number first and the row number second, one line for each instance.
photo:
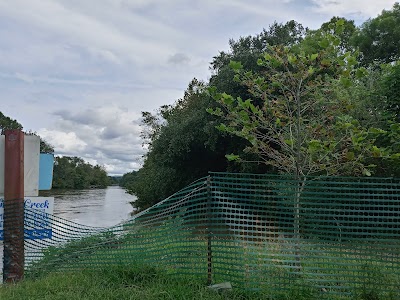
column 23, row 172
column 13, row 268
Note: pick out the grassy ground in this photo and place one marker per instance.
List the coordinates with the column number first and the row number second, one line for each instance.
column 123, row 282
column 143, row 282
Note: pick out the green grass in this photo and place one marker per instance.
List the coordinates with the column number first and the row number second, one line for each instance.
column 118, row 282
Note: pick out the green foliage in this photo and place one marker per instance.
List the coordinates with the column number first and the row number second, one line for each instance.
column 313, row 41
column 127, row 181
column 46, row 147
column 75, row 173
column 391, row 90
column 115, row 180
column 379, row 38
column 247, row 50
column 8, row 123
column 186, row 147
column 295, row 121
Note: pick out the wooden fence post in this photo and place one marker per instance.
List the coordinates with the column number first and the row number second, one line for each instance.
column 13, row 267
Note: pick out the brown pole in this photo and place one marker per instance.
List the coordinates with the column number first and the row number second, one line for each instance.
column 13, row 267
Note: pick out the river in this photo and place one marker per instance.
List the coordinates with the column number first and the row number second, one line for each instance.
column 93, row 207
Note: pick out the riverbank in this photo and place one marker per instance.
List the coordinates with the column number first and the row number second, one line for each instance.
column 123, row 282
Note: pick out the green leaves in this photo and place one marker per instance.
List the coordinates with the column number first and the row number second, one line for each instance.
column 361, row 72
column 314, row 145
column 232, row 157
column 366, row 172
column 216, row 112
column 314, row 56
column 346, row 82
column 324, row 43
column 227, row 99
column 235, row 65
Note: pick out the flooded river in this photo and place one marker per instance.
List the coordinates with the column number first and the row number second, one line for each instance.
column 93, row 207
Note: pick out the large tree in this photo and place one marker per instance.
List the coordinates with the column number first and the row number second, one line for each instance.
column 295, row 121
column 183, row 146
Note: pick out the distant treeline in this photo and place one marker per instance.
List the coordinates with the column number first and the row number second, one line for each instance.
column 75, row 173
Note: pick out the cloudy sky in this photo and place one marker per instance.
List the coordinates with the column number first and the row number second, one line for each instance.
column 79, row 72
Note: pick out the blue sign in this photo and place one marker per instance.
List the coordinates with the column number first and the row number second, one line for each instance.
column 46, row 163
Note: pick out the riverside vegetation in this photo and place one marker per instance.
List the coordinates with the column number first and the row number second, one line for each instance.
column 288, row 100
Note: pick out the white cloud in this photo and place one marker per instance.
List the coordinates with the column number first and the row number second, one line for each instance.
column 107, row 136
column 64, row 142
column 356, row 8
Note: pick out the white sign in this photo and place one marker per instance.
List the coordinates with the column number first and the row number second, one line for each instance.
column 38, row 222
column 31, row 165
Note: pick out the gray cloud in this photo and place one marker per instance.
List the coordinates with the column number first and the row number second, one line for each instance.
column 102, row 135
column 179, row 59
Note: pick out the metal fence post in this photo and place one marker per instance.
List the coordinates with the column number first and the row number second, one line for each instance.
column 13, row 267
column 209, row 233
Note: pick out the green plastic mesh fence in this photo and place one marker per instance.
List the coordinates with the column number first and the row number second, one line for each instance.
column 334, row 235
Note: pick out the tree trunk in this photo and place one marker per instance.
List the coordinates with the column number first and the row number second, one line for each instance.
column 296, row 224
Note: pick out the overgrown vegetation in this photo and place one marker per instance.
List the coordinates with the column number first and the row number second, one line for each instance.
column 320, row 101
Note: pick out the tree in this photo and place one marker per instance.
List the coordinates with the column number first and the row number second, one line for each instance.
column 297, row 124
column 295, row 121
column 182, row 140
column 8, row 123
column 75, row 173
column 183, row 146
column 310, row 43
column 379, row 39
column 248, row 50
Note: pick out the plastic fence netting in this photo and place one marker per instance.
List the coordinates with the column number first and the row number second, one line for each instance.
column 335, row 236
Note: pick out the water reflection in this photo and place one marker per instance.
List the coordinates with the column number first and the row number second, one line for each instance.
column 94, row 207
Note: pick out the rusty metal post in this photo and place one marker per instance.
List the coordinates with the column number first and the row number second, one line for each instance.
column 209, row 232
column 13, row 267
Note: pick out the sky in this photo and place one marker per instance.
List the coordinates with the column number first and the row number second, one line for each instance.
column 79, row 73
